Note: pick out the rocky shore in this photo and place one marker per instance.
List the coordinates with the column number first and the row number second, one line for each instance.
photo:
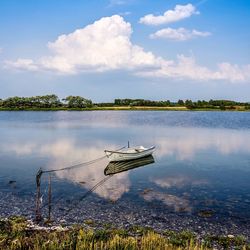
column 97, row 213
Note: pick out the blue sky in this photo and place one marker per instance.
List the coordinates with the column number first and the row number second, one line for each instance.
column 197, row 49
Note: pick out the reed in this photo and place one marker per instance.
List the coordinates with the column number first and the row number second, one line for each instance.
column 16, row 234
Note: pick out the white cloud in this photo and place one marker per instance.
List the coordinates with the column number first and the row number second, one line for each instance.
column 22, row 64
column 106, row 45
column 186, row 67
column 103, row 45
column 180, row 34
column 180, row 12
column 233, row 72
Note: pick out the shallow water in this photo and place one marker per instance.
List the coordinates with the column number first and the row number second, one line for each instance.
column 201, row 172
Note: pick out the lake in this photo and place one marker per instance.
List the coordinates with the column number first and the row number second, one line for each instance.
column 200, row 179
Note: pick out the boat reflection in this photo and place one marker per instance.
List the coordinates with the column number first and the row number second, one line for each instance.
column 122, row 166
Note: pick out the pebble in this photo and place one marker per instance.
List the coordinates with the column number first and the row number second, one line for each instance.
column 123, row 214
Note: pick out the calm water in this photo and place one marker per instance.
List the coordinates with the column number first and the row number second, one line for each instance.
column 202, row 163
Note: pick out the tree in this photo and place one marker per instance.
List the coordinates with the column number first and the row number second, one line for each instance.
column 181, row 103
column 77, row 102
column 49, row 101
column 117, row 102
column 189, row 104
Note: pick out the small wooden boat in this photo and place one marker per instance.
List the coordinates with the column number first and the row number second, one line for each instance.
column 129, row 153
column 121, row 166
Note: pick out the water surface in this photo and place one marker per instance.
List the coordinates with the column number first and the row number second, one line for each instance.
column 200, row 178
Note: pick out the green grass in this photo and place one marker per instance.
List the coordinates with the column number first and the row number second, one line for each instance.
column 15, row 234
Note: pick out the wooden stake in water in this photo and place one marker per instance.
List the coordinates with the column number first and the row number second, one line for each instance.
column 38, row 214
column 49, row 198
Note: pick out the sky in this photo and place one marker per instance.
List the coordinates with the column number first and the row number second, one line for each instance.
column 107, row 49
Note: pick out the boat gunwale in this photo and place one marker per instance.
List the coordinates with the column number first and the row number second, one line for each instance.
column 120, row 152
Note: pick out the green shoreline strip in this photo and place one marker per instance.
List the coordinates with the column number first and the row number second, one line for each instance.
column 18, row 233
column 78, row 103
column 126, row 109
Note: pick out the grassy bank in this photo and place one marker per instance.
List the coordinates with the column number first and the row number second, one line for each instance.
column 16, row 233
column 129, row 108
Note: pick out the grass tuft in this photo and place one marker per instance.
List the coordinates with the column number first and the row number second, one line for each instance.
column 15, row 234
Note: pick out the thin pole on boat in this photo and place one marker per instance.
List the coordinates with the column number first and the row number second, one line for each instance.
column 38, row 215
column 49, row 198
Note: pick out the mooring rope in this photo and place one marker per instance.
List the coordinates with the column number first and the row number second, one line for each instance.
column 40, row 172
column 74, row 166
column 86, row 194
column 78, row 165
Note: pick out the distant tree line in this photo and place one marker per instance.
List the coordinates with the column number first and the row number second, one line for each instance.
column 211, row 104
column 141, row 102
column 77, row 102
column 45, row 102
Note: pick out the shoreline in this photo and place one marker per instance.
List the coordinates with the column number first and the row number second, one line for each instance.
column 127, row 108
column 110, row 215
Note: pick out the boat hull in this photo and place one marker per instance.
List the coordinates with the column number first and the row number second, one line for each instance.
column 123, row 156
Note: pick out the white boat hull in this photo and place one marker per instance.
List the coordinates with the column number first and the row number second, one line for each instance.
column 129, row 154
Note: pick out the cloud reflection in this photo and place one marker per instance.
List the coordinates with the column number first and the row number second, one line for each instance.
column 179, row 204
column 184, row 143
column 178, row 181
column 65, row 151
column 21, row 149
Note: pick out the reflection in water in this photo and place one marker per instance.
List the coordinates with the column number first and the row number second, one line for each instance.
column 178, row 181
column 184, row 154
column 67, row 152
column 179, row 204
column 122, row 166
column 184, row 143
column 87, row 176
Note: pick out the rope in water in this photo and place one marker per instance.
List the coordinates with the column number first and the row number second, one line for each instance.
column 77, row 165
column 74, row 166
column 86, row 194
column 40, row 172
